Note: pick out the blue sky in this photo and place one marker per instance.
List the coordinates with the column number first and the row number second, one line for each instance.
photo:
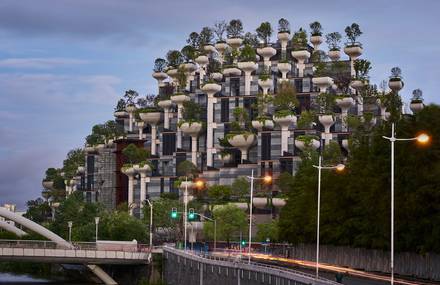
column 64, row 63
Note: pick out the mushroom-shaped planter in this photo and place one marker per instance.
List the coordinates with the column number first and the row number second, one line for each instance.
column 81, row 169
column 283, row 37
column 99, row 147
column 210, row 89
column 152, row 118
column 89, row 149
column 166, row 105
column 189, row 68
column 225, row 157
column 259, row 202
column 278, row 202
column 260, row 124
column 248, row 67
column 301, row 56
column 231, row 71
column 217, row 76
column 130, row 109
column 322, row 82
column 357, row 84
column 284, row 122
column 395, row 84
column 47, row 184
column 316, row 41
column 345, row 104
column 202, row 61
column 301, row 143
column 265, row 84
column 209, row 48
column 120, row 114
column 416, row 106
column 284, row 68
column 334, row 55
column 353, row 51
column 267, row 53
column 191, row 129
column 221, row 48
column 234, row 42
column 345, row 144
column 109, row 143
column 180, row 99
column 173, row 74
column 242, row 142
column 241, row 206
column 160, row 77
column 327, row 121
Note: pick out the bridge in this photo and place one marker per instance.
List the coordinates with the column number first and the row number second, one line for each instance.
column 188, row 268
column 81, row 253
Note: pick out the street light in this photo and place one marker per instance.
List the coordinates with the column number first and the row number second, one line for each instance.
column 422, row 139
column 151, row 223
column 339, row 167
column 69, row 225
column 266, row 179
column 96, row 228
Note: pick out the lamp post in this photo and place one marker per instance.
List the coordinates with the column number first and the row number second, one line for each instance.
column 96, row 228
column 266, row 179
column 69, row 225
column 215, row 228
column 339, row 167
column 185, row 214
column 423, row 139
column 151, row 223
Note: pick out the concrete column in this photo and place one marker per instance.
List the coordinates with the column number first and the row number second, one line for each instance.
column 210, row 90
column 153, row 138
column 194, row 149
column 130, row 193
column 179, row 131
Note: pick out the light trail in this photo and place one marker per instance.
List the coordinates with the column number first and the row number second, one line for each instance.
column 328, row 267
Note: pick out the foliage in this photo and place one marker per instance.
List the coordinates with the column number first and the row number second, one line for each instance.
column 268, row 231
column 147, row 101
column 38, row 210
column 326, row 102
column 299, row 40
column 192, row 112
column 214, row 66
column 101, row 133
column 120, row 106
column 362, row 67
column 393, row 104
column 250, row 39
column 283, row 26
column 333, row 41
column 263, row 101
column 130, row 97
column 206, row 36
column 306, row 119
column 353, row 32
column 396, row 72
column 264, row 31
column 285, row 99
column 265, row 74
column 230, row 221
column 135, row 154
column 189, row 53
column 316, row 29
column 219, row 194
column 187, row 169
column 241, row 120
column 355, row 205
column 417, row 96
column 74, row 159
column 220, row 29
column 181, row 78
column 285, row 182
column 174, row 58
column 161, row 213
column 230, row 57
column 119, row 225
column 235, row 29
column 159, row 65
column 193, row 40
column 240, row 189
column 247, row 53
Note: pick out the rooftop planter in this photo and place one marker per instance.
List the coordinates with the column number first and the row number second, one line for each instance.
column 158, row 71
column 231, row 71
column 191, row 128
column 316, row 34
column 396, row 83
column 180, row 98
column 209, row 48
column 242, row 141
column 327, row 121
column 89, row 149
column 345, row 103
column 47, row 184
column 267, row 52
column 130, row 108
column 217, row 76
column 361, row 68
column 165, row 103
column 263, row 122
column 278, row 202
column 304, row 141
column 284, row 68
column 211, row 88
column 120, row 109
column 353, row 48
column 235, row 33
column 416, row 104
column 202, row 60
column 259, row 202
column 300, row 52
column 150, row 116
column 265, row 80
column 283, row 33
column 128, row 169
column 323, row 82
column 333, row 41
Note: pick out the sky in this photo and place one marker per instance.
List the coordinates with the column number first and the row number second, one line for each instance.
column 65, row 63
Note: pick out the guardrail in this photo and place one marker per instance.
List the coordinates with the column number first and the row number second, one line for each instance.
column 282, row 272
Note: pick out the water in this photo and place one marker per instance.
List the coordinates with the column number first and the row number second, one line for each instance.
column 11, row 279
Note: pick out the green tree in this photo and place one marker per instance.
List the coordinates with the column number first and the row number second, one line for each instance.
column 268, row 231
column 219, row 194
column 240, row 188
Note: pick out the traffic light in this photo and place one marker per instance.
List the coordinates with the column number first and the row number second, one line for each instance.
column 191, row 214
column 243, row 242
column 174, row 213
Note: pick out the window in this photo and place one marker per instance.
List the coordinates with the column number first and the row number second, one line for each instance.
column 180, row 157
column 90, row 171
column 286, row 165
column 299, row 85
column 235, row 86
column 265, row 146
column 169, row 143
column 225, row 110
column 248, row 104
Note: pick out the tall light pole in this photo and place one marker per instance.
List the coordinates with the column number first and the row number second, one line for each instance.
column 151, row 223
column 69, row 225
column 339, row 167
column 423, row 139
column 96, row 228
column 266, row 179
column 185, row 214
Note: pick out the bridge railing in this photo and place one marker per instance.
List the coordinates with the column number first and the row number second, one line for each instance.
column 43, row 244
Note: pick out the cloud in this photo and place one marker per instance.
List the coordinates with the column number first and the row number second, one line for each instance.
column 39, row 63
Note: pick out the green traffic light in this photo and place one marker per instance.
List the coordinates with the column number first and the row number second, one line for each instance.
column 243, row 242
column 191, row 216
column 174, row 213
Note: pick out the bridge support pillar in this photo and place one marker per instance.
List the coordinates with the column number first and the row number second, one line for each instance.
column 102, row 275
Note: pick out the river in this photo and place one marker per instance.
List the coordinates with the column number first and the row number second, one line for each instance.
column 11, row 279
